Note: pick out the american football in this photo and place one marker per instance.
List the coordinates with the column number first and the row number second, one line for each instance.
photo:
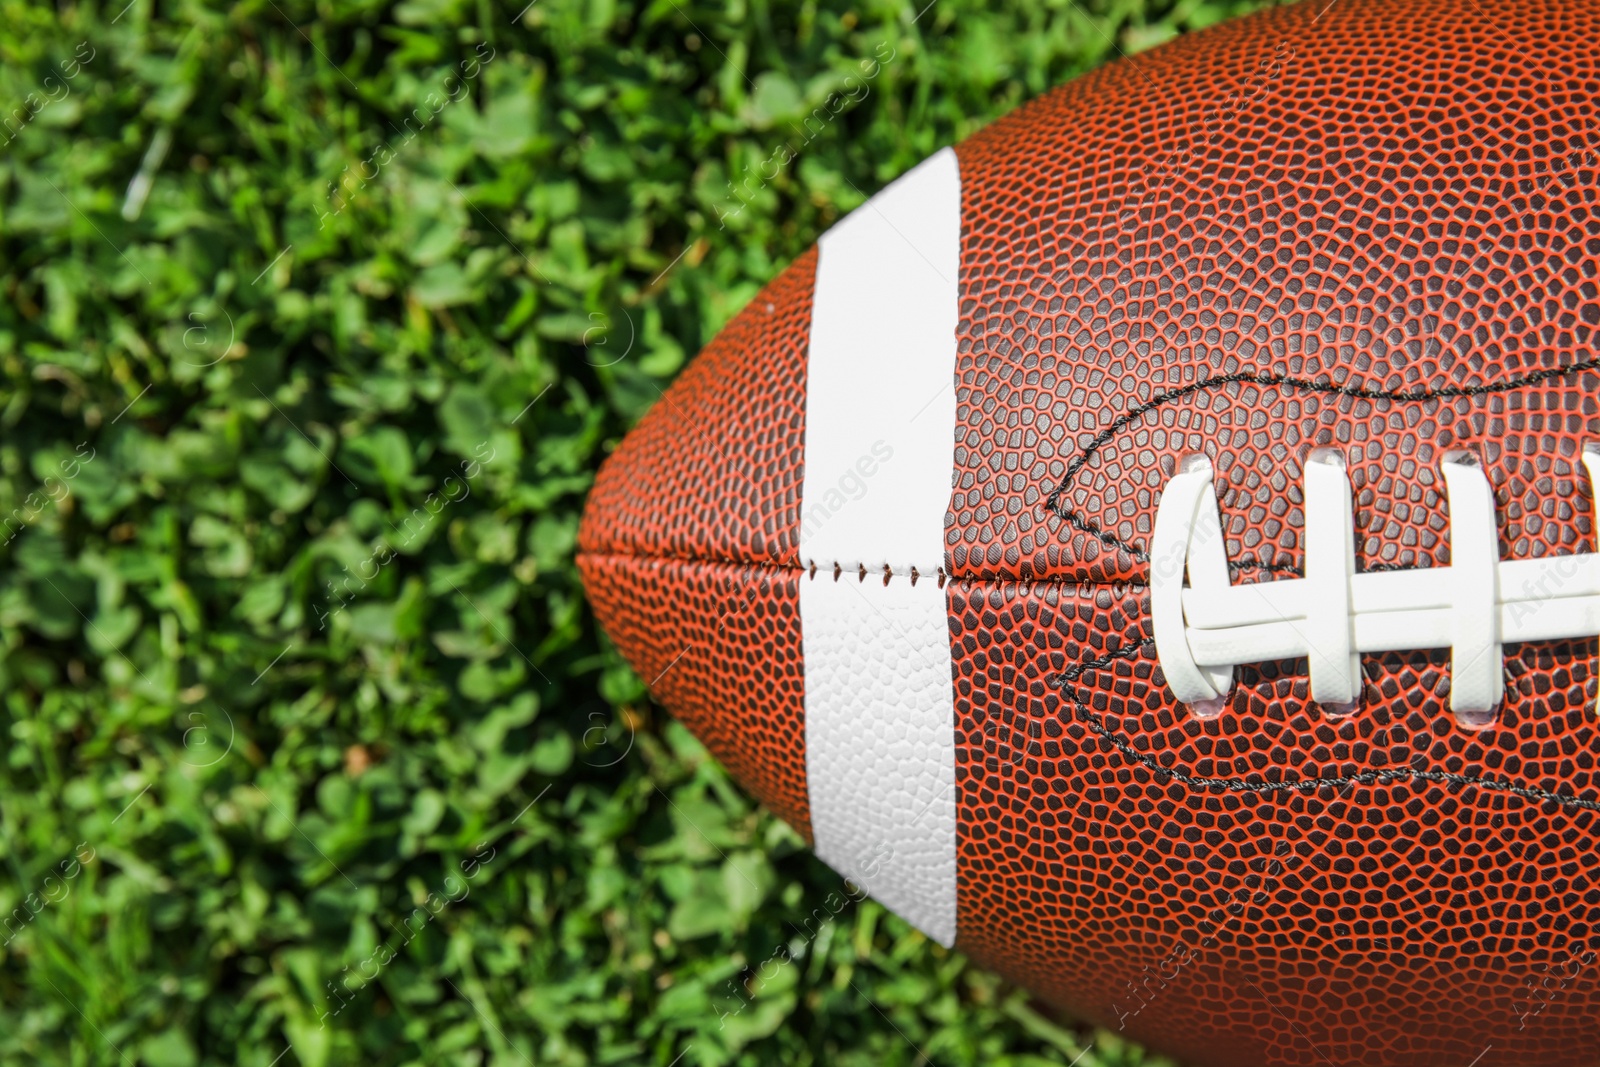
column 1150, row 546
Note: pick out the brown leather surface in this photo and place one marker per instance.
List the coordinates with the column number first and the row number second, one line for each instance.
column 688, row 535
column 1271, row 886
column 1370, row 225
column 713, row 471
column 718, row 644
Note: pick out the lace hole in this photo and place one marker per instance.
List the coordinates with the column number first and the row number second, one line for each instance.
column 1339, row 711
column 1328, row 455
column 1462, row 457
column 1477, row 719
column 1208, row 709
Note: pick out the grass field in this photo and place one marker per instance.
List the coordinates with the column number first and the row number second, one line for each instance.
column 317, row 320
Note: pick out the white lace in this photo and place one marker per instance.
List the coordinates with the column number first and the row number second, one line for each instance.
column 1204, row 628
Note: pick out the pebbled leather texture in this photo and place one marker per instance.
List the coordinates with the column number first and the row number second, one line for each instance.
column 685, row 532
column 1272, row 235
column 719, row 644
column 714, row 470
column 1387, row 242
column 1273, row 887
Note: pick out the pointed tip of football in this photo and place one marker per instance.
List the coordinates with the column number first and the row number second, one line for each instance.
column 689, row 544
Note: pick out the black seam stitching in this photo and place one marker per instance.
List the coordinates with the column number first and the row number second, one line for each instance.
column 942, row 575
column 1065, row 681
column 1052, row 500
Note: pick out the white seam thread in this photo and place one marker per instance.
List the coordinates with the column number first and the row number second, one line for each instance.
column 1205, row 628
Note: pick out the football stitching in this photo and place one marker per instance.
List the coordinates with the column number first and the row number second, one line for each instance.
column 1065, row 681
column 1122, row 422
column 861, row 573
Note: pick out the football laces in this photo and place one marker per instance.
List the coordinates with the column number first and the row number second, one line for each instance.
column 1206, row 626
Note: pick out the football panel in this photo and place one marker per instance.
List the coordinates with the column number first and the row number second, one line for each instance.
column 1325, row 224
column 1403, row 890
column 713, row 470
column 719, row 645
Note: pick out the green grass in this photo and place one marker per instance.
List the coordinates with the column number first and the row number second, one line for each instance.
column 308, row 740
